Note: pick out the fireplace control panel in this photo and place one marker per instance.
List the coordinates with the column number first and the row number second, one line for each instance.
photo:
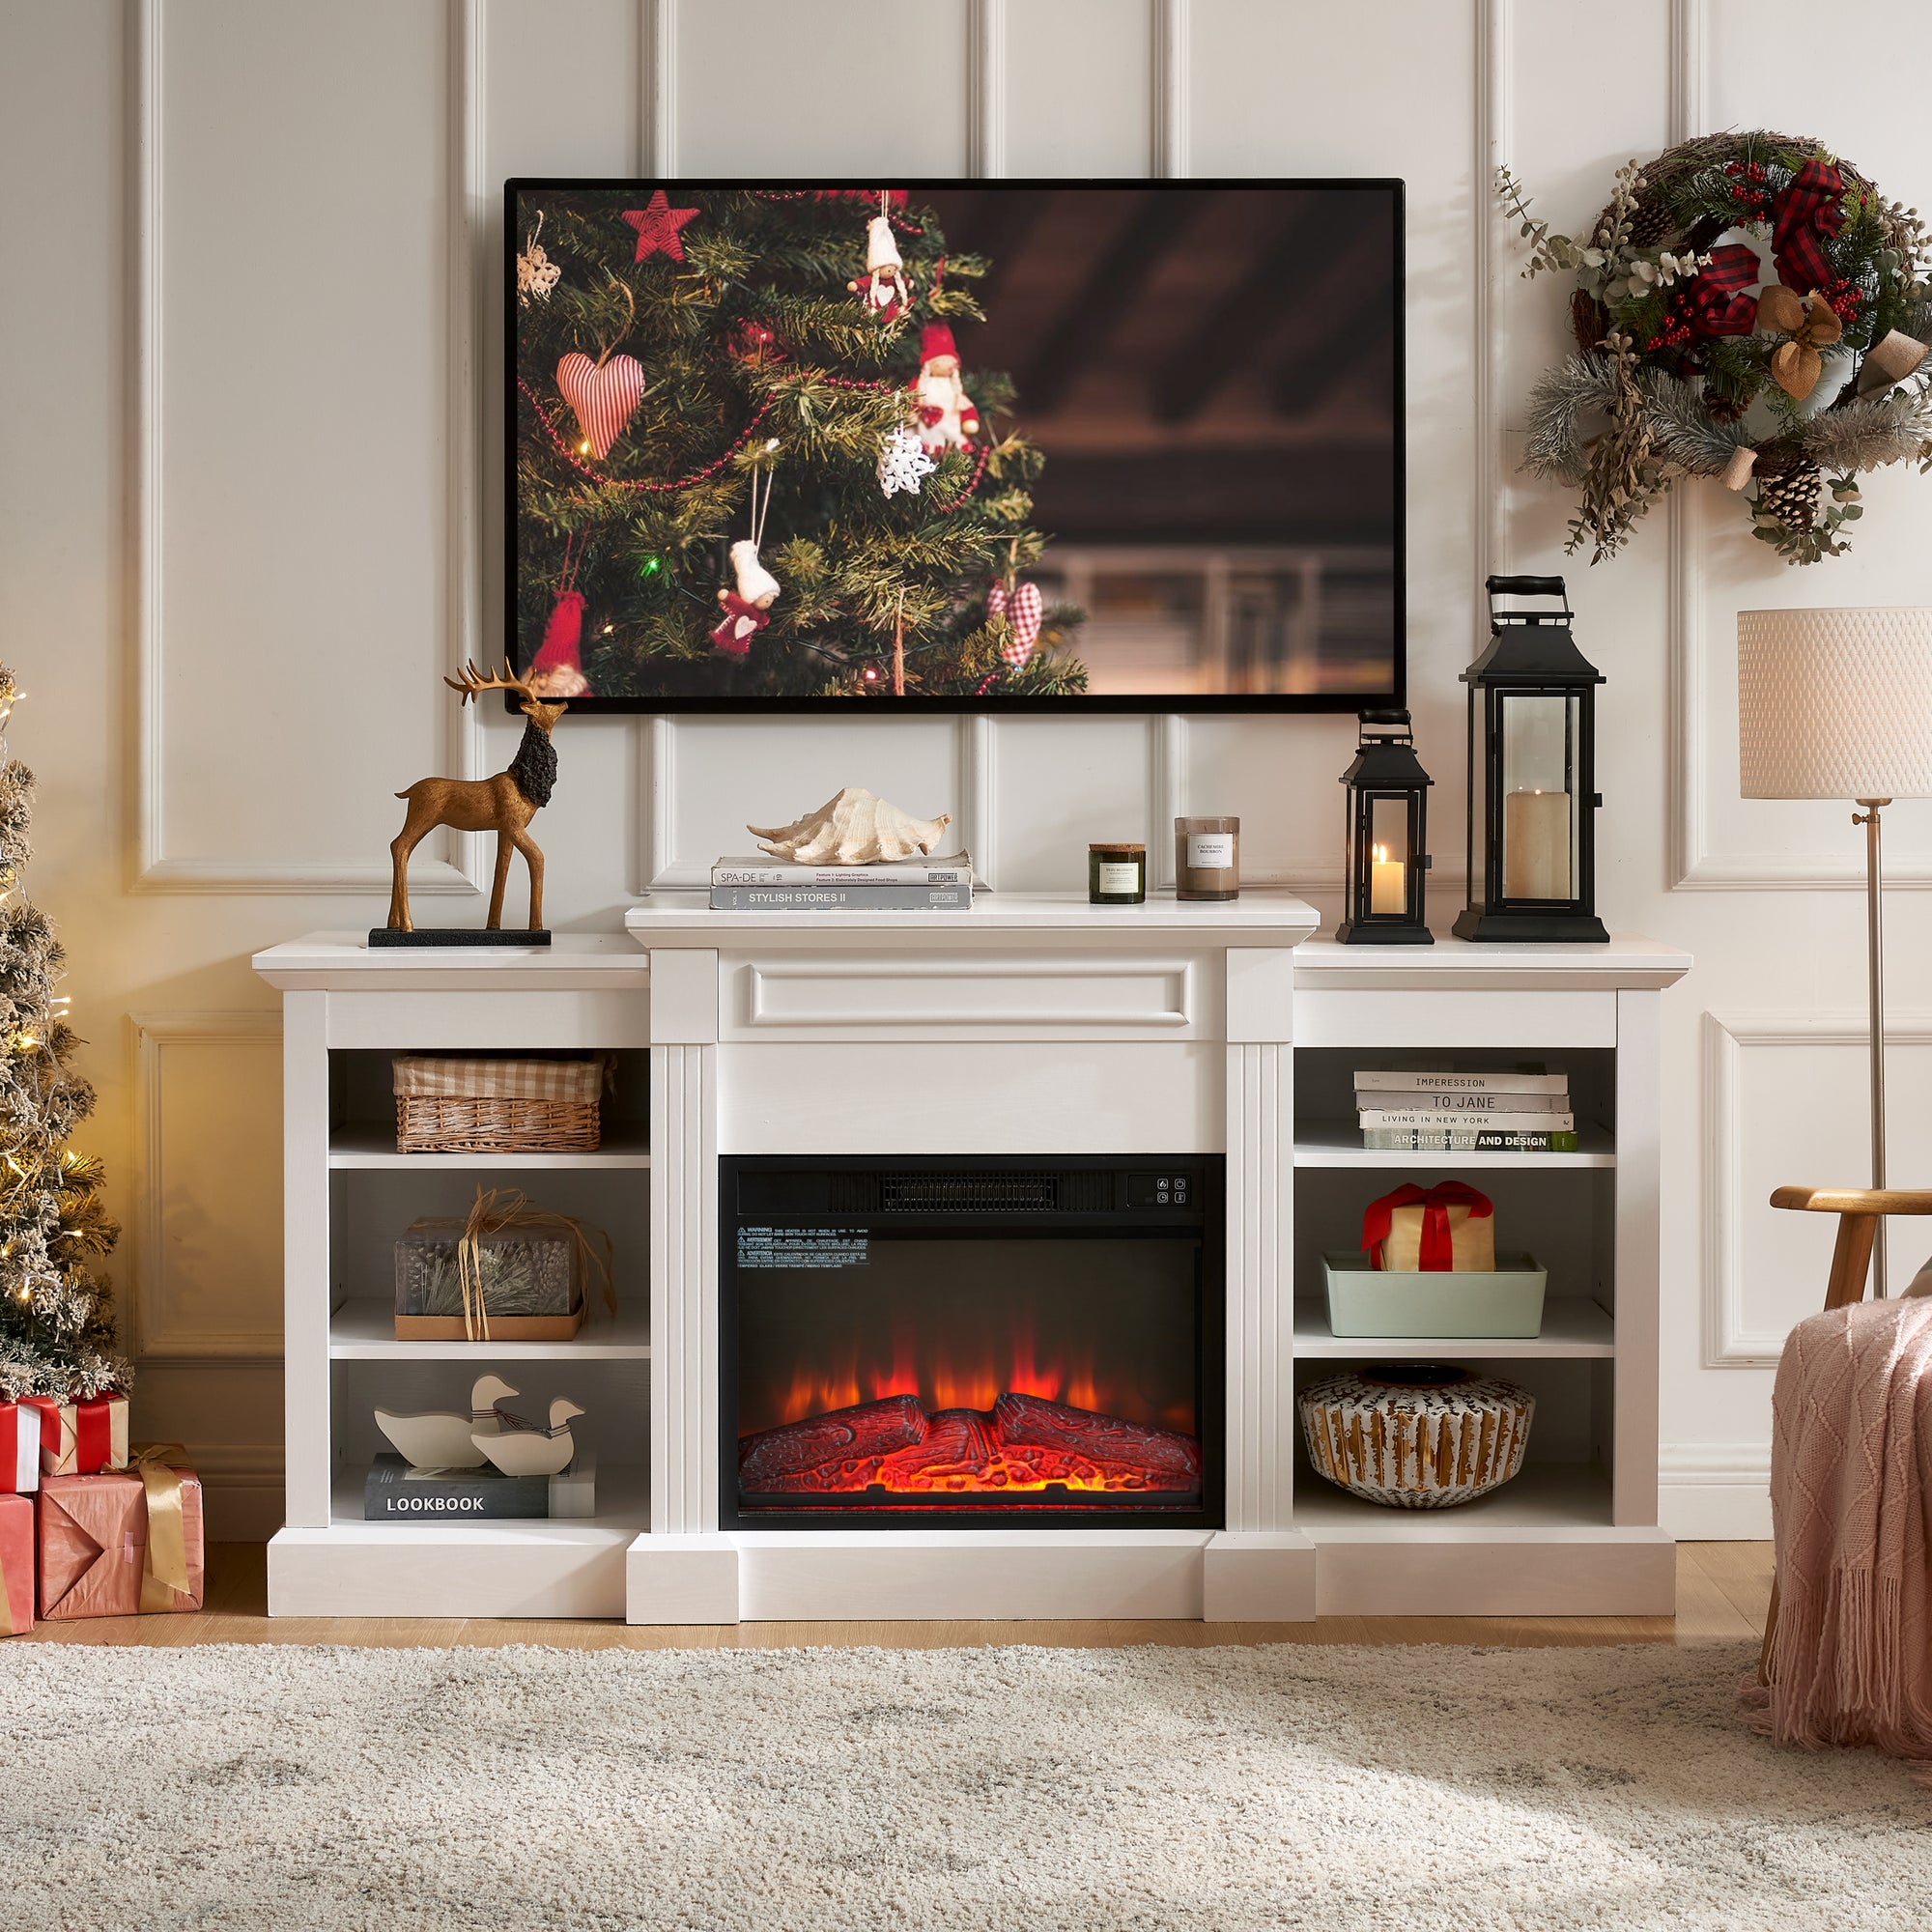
column 1158, row 1190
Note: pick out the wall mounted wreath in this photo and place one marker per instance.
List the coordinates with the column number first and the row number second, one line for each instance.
column 1784, row 379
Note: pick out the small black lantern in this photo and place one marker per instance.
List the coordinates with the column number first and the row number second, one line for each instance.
column 1532, row 776
column 1387, row 843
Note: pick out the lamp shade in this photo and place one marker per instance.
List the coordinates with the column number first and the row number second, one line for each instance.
column 1835, row 703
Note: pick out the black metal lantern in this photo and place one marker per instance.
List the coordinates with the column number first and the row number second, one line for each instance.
column 1532, row 776
column 1387, row 843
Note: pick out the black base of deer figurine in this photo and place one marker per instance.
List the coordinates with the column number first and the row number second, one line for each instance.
column 456, row 935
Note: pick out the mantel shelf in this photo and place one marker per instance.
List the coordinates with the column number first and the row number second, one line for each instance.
column 1339, row 1143
column 1573, row 1327
column 365, row 1330
column 366, row 1144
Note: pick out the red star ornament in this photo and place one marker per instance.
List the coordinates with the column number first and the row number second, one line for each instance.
column 658, row 224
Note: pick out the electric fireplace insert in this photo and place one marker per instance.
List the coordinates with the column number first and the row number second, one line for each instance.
column 970, row 1342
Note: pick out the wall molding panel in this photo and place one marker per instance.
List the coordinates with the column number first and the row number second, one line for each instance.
column 1730, row 1339
column 1167, row 121
column 161, row 1323
column 657, row 88
column 154, row 870
column 986, row 89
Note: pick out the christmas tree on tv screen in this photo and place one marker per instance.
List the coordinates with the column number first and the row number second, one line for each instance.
column 748, row 462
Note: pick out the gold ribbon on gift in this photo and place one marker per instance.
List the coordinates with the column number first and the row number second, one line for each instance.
column 1809, row 321
column 164, row 1563
column 499, row 1209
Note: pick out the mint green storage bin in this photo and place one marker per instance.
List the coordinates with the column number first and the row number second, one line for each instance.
column 1503, row 1304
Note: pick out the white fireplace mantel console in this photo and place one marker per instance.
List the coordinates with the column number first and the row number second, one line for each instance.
column 1034, row 1024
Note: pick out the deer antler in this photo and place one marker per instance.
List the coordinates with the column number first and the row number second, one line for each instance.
column 472, row 682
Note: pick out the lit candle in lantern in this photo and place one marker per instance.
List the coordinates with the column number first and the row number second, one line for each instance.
column 1536, row 845
column 1388, row 884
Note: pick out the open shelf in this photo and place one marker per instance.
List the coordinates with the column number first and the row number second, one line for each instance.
column 1546, row 1496
column 367, row 1144
column 623, row 1511
column 1573, row 1326
column 1339, row 1143
column 365, row 1330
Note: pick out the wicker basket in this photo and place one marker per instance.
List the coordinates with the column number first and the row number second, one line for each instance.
column 497, row 1104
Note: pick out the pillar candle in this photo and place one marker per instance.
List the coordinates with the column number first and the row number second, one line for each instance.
column 1536, row 845
column 1388, row 884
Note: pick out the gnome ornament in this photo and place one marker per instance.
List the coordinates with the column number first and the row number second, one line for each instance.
column 882, row 290
column 947, row 417
column 748, row 608
column 557, row 668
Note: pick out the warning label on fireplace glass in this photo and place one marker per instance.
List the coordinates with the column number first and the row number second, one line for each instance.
column 802, row 1248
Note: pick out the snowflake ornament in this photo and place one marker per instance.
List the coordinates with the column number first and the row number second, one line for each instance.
column 536, row 273
column 903, row 461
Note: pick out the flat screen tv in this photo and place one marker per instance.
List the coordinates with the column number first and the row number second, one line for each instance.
column 1005, row 446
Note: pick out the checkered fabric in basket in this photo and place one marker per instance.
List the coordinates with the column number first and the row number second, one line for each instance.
column 496, row 1104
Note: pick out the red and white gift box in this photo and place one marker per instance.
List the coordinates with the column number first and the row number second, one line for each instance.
column 20, row 1447
column 81, row 1438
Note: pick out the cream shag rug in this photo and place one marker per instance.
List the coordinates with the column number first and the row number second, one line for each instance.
column 1031, row 1789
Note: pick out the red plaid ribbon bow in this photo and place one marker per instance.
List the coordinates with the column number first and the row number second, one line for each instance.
column 1804, row 217
column 1437, row 1248
column 1719, row 299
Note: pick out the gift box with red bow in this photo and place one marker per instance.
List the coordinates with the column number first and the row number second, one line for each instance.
column 20, row 1447
column 1449, row 1226
column 79, row 1438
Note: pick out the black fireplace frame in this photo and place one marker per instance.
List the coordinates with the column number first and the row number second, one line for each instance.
column 1208, row 1184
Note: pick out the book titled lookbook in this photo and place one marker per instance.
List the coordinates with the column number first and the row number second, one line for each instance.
column 956, row 871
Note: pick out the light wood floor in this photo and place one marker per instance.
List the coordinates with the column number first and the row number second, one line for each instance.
column 1721, row 1592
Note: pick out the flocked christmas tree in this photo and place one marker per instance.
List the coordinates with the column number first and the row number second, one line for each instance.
column 56, row 1317
column 748, row 461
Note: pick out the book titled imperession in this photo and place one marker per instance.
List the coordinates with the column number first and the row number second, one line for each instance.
column 1529, row 1077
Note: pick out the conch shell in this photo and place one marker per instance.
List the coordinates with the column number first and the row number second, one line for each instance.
column 855, row 827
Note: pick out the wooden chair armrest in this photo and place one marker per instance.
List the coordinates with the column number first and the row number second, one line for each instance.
column 1855, row 1199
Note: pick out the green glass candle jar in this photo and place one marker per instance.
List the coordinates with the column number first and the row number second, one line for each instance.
column 1116, row 874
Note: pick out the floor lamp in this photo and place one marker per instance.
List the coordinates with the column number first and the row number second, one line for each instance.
column 1838, row 704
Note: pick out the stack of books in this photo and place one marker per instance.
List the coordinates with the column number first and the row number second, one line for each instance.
column 905, row 885
column 1454, row 1110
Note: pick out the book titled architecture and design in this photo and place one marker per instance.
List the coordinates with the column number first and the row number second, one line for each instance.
column 905, row 885
column 1465, row 1110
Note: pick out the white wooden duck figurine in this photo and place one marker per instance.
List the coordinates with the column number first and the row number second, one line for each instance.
column 532, row 1451
column 442, row 1440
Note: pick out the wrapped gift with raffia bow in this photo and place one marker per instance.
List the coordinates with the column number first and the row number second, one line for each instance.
column 1449, row 1226
column 16, row 1565
column 20, row 1447
column 123, row 1543
column 78, row 1438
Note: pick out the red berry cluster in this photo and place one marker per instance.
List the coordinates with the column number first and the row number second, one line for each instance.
column 1846, row 298
column 1751, row 188
column 1676, row 333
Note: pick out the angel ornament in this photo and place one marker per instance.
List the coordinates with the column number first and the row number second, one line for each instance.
column 882, row 288
column 748, row 608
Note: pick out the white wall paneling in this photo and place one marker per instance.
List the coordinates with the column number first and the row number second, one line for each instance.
column 657, row 87
column 248, row 823
column 206, row 1271
column 1784, row 1104
column 1167, row 143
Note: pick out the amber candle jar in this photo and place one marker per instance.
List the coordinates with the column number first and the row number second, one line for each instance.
column 1206, row 858
column 1116, row 874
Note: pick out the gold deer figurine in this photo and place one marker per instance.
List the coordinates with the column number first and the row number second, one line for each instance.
column 504, row 805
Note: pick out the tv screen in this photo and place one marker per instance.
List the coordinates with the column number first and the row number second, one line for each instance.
column 1004, row 445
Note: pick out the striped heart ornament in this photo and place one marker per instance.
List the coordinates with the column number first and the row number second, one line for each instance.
column 1023, row 612
column 603, row 396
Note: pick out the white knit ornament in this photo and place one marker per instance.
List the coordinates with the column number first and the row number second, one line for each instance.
column 755, row 584
column 903, row 461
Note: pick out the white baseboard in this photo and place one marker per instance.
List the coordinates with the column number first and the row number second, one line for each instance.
column 241, row 1490
column 1714, row 1491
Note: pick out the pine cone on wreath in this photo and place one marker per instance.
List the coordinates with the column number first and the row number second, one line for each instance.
column 1651, row 223
column 1790, row 491
column 1724, row 408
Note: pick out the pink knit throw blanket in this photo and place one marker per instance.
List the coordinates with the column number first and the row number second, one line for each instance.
column 1851, row 1489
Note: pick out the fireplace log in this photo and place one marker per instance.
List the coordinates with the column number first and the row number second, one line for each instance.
column 840, row 1449
column 1023, row 1422
column 957, row 1453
